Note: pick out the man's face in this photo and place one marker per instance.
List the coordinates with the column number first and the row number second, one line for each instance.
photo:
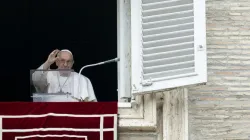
column 65, row 60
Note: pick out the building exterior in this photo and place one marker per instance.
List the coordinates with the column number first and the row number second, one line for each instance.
column 218, row 109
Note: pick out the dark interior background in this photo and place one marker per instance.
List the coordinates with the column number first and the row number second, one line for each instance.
column 31, row 29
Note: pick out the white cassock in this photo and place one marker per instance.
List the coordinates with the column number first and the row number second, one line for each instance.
column 52, row 82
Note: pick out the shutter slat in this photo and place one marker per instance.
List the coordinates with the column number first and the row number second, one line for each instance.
column 169, row 73
column 167, row 16
column 175, row 34
column 166, row 10
column 177, row 59
column 169, row 67
column 169, row 41
column 155, row 1
column 168, row 29
column 162, row 4
column 167, row 38
column 179, row 46
column 178, row 25
column 167, row 22
column 171, row 54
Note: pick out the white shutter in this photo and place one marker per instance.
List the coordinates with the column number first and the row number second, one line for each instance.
column 168, row 44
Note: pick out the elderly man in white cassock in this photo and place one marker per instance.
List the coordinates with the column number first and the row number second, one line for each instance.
column 61, row 81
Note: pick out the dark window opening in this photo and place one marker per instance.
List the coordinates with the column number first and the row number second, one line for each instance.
column 32, row 29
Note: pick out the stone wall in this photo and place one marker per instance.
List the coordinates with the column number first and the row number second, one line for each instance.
column 220, row 110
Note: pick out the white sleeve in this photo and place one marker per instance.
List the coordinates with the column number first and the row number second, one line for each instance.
column 86, row 89
column 91, row 92
column 39, row 79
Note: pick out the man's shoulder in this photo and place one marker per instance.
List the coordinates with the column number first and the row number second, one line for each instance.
column 82, row 76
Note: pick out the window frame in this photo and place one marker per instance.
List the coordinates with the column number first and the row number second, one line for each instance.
column 130, row 80
column 145, row 115
column 123, row 52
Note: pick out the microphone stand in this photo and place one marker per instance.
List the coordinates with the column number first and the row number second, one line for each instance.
column 92, row 65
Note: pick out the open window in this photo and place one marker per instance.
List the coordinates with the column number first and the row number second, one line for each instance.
column 162, row 44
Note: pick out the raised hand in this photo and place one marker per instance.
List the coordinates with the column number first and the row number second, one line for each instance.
column 53, row 57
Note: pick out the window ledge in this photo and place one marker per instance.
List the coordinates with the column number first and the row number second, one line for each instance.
column 124, row 105
column 140, row 117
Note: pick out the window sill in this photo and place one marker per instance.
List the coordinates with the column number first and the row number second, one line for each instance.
column 140, row 117
column 124, row 105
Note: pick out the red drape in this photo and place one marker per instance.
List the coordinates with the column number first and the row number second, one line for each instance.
column 57, row 121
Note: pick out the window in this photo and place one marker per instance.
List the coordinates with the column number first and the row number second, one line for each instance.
column 34, row 29
column 165, row 48
column 161, row 43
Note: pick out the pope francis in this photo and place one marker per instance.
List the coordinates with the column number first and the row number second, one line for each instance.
column 63, row 80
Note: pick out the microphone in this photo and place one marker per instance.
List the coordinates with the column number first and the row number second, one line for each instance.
column 100, row 63
column 91, row 65
column 112, row 60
